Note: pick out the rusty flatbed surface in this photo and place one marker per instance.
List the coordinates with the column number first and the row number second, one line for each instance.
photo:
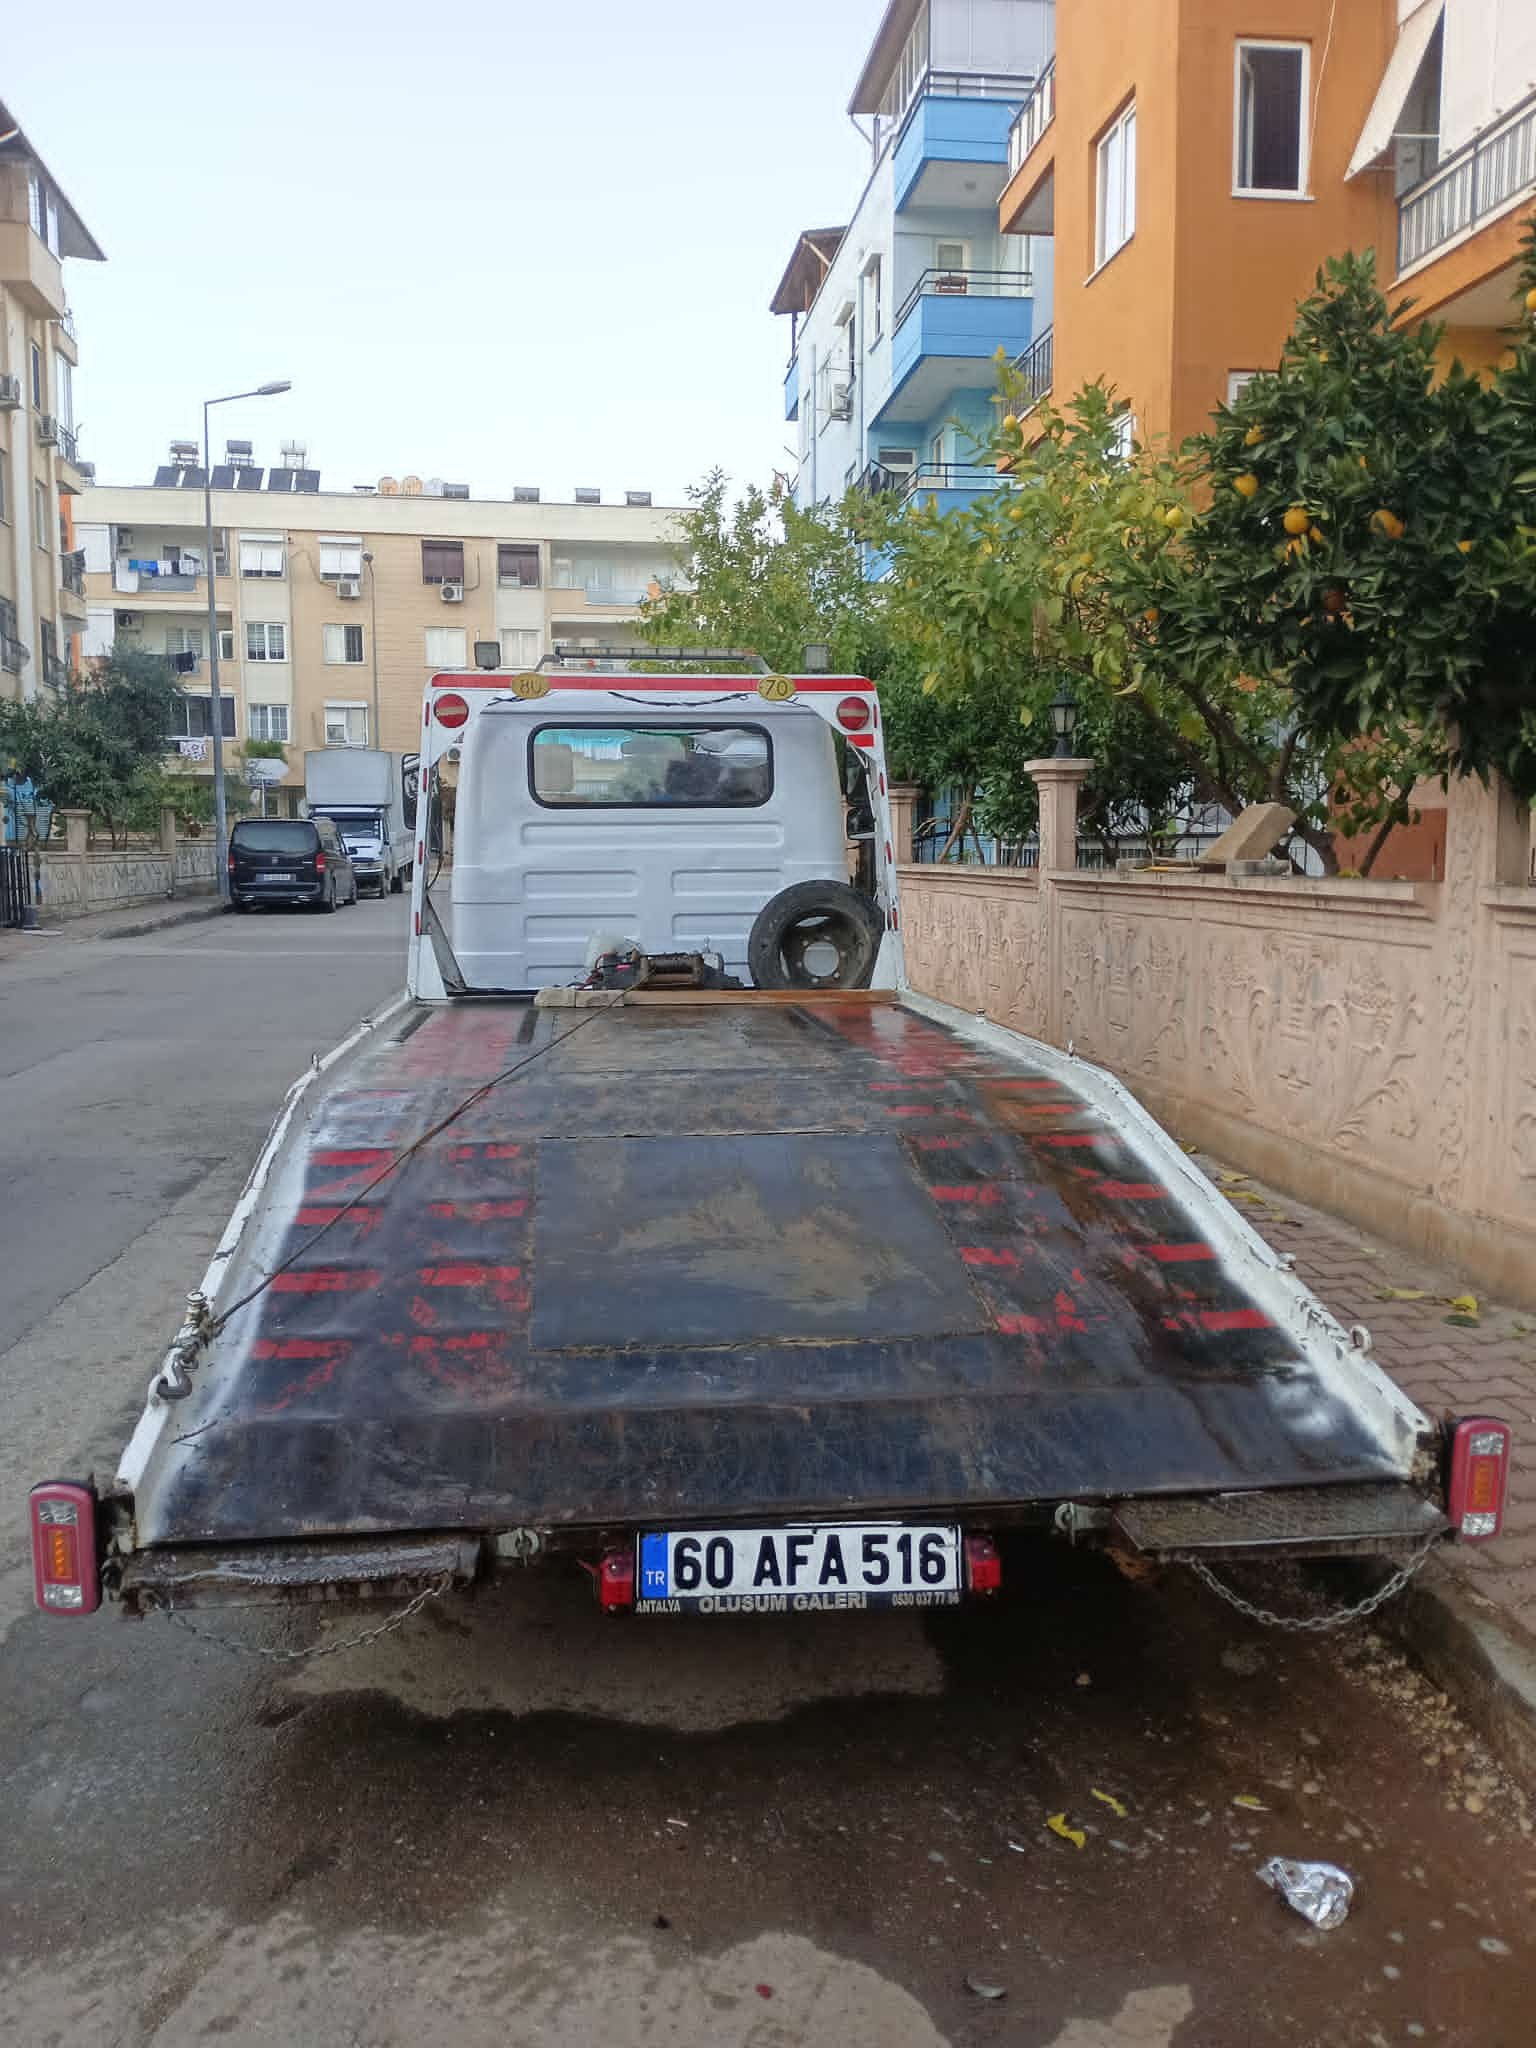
column 697, row 1263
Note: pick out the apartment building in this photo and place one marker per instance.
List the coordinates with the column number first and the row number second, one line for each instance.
column 1194, row 161
column 896, row 318
column 333, row 607
column 42, row 598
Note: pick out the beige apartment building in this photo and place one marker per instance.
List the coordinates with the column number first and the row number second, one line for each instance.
column 42, row 595
column 333, row 607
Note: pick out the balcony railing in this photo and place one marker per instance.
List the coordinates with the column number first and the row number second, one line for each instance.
column 1035, row 116
column 975, row 477
column 132, row 581
column 975, row 284
column 72, row 572
column 13, row 654
column 1479, row 179
column 55, row 672
column 68, row 443
column 604, row 593
column 1035, row 365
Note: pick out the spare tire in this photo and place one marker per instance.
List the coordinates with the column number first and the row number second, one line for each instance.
column 815, row 935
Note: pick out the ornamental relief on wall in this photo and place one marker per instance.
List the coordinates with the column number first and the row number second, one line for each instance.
column 1124, row 990
column 1314, row 1036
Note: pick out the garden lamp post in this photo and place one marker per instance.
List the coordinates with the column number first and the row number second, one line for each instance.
column 215, row 713
column 1064, row 721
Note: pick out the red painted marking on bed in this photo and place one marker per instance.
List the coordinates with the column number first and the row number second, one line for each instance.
column 325, row 1280
column 1178, row 1254
column 983, row 1196
column 1132, row 1190
column 1063, row 1139
column 1235, row 1319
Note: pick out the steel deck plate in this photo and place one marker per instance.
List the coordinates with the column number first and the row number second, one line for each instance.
column 730, row 1263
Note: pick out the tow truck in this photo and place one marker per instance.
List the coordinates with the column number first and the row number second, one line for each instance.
column 660, row 1233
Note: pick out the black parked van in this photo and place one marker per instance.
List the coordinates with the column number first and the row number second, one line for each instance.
column 289, row 860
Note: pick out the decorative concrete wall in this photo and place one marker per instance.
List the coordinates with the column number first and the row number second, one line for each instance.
column 74, row 877
column 1370, row 1046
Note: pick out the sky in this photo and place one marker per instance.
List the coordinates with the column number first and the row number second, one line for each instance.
column 513, row 242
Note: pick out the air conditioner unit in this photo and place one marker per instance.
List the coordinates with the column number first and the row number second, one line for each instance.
column 47, row 430
column 840, row 404
column 451, row 593
column 349, row 586
column 454, row 754
column 10, row 393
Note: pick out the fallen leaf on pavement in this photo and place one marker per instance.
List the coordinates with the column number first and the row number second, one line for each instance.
column 1401, row 1294
column 1246, row 1799
column 1116, row 1806
column 1058, row 1826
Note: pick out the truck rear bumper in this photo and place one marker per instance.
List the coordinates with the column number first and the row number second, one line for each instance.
column 1296, row 1522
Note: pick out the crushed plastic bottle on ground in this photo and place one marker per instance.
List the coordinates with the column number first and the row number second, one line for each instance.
column 1320, row 1892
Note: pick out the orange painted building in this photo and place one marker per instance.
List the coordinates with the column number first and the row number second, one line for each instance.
column 1196, row 160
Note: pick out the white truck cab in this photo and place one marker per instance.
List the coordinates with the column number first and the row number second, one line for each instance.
column 662, row 810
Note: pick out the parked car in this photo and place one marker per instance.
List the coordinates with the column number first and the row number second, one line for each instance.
column 289, row 860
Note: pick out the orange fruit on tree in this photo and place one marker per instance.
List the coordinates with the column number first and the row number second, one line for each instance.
column 1465, row 546
column 1174, row 516
column 1010, row 423
column 1253, row 437
column 1246, row 486
column 1314, row 533
column 1387, row 522
column 1297, row 519
column 1151, row 615
column 1530, row 300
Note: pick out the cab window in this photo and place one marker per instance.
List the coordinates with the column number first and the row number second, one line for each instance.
column 651, row 767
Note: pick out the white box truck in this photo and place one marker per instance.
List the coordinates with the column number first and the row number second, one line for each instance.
column 370, row 797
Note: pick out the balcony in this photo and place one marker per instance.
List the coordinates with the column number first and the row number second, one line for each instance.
column 950, row 485
column 65, row 339
column 949, row 329
column 72, row 584
column 1034, row 117
column 29, row 268
column 952, row 147
column 605, row 595
column 133, row 579
column 1484, row 177
column 1035, row 366
column 13, row 654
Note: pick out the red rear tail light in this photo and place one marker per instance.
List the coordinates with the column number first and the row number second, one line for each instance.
column 853, row 713
column 451, row 710
column 983, row 1566
column 1479, row 1478
column 64, row 1575
column 616, row 1579
column 319, row 863
column 231, row 861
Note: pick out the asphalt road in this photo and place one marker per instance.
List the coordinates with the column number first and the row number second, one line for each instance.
column 516, row 1822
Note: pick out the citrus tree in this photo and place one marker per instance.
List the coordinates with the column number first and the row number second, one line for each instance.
column 1366, row 546
column 1057, row 577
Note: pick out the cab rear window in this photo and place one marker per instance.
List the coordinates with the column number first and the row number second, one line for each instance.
column 650, row 767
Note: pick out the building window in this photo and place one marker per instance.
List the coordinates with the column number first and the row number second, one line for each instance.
column 40, row 512
column 446, row 647
column 265, row 640
column 64, row 392
column 267, row 722
column 520, row 647
column 343, row 646
column 340, row 558
column 346, row 725
column 48, row 642
column 518, row 566
column 37, row 376
column 1237, row 383
column 952, row 256
column 1116, row 213
column 263, row 555
column 191, row 717
column 1123, row 446
column 1269, row 144
column 442, row 561
column 872, row 278
column 184, row 640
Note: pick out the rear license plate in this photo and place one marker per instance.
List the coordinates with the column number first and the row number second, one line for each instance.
column 275, row 878
column 798, row 1570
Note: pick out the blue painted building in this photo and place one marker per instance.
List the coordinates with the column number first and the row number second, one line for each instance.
column 896, row 318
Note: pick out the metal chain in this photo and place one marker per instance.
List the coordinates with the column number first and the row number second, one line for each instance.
column 438, row 1587
column 1316, row 1624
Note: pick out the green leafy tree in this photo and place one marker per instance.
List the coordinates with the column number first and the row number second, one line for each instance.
column 99, row 744
column 1367, row 548
column 761, row 575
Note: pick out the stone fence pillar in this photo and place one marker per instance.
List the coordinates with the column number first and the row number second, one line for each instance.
column 77, row 833
column 904, row 796
column 1059, row 778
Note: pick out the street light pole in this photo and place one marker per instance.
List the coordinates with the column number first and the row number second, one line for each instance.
column 215, row 710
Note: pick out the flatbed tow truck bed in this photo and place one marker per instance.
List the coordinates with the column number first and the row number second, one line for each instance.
column 723, row 1262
